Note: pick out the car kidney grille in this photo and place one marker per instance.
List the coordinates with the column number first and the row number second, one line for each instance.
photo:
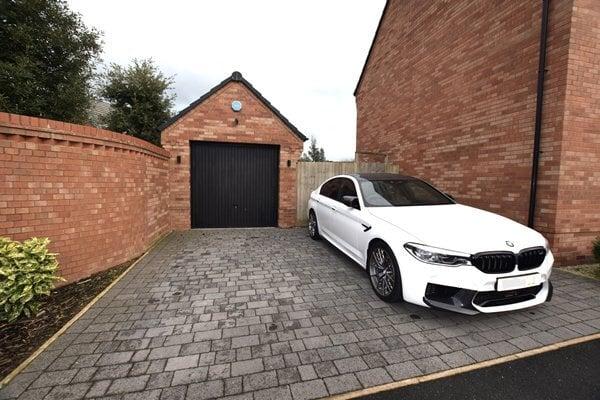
column 494, row 263
column 531, row 258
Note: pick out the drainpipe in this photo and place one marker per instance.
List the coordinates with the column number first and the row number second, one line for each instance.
column 538, row 113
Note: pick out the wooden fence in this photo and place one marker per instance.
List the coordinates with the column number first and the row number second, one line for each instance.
column 312, row 174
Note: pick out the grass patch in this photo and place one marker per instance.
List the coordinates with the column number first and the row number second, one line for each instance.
column 588, row 270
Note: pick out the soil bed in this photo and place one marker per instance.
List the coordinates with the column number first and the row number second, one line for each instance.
column 18, row 340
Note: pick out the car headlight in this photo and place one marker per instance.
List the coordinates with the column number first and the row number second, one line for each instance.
column 433, row 255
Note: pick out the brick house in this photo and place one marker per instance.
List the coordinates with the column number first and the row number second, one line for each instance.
column 474, row 96
column 233, row 160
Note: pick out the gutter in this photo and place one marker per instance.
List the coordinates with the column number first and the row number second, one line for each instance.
column 538, row 114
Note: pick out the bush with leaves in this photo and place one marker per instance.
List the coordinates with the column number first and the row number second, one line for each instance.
column 27, row 271
column 140, row 98
column 47, row 60
column 596, row 249
column 315, row 153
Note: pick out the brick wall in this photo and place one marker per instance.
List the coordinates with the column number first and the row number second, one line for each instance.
column 100, row 196
column 578, row 201
column 449, row 95
column 213, row 120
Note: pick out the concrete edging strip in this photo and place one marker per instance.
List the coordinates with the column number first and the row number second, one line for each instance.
column 463, row 369
column 66, row 326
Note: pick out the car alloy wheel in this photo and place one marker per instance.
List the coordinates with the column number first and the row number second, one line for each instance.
column 313, row 226
column 384, row 273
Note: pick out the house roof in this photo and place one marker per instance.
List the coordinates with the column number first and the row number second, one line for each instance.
column 364, row 68
column 98, row 110
column 235, row 77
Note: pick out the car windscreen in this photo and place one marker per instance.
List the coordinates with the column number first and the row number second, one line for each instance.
column 397, row 193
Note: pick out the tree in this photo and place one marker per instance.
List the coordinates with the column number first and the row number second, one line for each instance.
column 47, row 60
column 140, row 99
column 315, row 153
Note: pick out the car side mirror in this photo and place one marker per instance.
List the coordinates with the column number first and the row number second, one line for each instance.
column 351, row 201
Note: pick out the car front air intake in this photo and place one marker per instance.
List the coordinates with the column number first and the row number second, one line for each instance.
column 495, row 299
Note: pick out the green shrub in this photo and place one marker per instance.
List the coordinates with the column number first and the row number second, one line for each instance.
column 27, row 271
column 596, row 249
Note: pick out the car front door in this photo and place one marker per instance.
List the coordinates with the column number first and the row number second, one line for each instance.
column 346, row 220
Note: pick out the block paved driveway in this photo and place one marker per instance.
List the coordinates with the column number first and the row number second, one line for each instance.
column 271, row 314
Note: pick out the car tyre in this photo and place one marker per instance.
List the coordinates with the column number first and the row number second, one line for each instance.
column 313, row 226
column 384, row 273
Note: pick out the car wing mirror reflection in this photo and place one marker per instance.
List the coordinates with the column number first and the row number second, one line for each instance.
column 351, row 201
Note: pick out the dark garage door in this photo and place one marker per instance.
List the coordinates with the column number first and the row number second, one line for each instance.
column 234, row 185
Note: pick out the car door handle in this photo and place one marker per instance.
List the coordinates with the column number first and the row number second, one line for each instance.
column 333, row 208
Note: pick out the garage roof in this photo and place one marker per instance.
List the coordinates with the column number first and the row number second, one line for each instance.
column 235, row 77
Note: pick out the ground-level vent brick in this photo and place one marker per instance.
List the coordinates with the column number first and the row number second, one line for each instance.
column 308, row 390
column 126, row 385
column 183, row 362
column 342, row 383
column 246, row 367
column 205, row 390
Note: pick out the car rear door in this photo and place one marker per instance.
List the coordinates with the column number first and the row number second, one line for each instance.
column 327, row 201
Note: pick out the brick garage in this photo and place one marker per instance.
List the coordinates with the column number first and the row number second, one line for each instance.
column 103, row 197
column 448, row 93
column 211, row 118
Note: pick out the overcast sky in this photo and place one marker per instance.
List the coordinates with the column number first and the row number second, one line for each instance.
column 303, row 56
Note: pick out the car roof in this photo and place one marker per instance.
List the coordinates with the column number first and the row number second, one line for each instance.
column 382, row 176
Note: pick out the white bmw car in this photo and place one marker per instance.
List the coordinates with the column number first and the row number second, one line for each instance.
column 418, row 245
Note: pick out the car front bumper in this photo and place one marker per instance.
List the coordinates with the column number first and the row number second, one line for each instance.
column 470, row 302
column 466, row 289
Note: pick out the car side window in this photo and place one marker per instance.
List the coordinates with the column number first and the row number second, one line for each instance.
column 347, row 188
column 330, row 189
